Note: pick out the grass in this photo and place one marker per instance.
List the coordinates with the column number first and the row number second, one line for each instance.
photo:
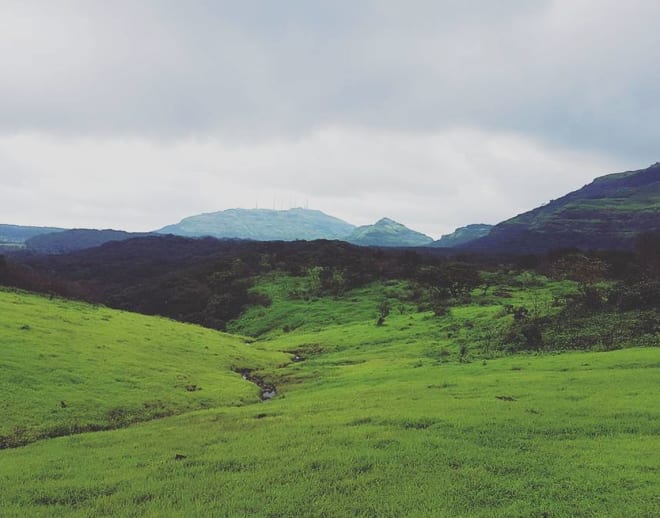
column 69, row 367
column 373, row 421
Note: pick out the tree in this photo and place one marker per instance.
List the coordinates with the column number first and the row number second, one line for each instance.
column 648, row 253
column 580, row 268
column 384, row 309
column 3, row 268
column 452, row 280
column 586, row 271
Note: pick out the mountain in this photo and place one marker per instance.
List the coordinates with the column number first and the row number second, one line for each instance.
column 387, row 232
column 76, row 239
column 608, row 213
column 463, row 235
column 15, row 236
column 262, row 225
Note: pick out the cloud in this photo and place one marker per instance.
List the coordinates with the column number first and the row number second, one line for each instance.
column 580, row 73
column 432, row 183
column 438, row 113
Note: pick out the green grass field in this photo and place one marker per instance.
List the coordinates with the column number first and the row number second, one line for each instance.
column 68, row 367
column 373, row 421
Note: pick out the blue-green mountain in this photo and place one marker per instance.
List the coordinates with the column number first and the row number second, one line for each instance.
column 262, row 225
column 387, row 232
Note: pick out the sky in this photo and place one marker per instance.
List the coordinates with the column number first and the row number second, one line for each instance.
column 435, row 113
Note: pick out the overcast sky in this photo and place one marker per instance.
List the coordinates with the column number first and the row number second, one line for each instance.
column 439, row 113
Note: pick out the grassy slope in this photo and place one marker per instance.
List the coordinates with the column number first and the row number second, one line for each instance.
column 69, row 366
column 348, row 321
column 375, row 423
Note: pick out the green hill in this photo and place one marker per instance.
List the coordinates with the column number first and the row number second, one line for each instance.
column 387, row 232
column 609, row 213
column 389, row 420
column 262, row 225
column 69, row 367
column 463, row 235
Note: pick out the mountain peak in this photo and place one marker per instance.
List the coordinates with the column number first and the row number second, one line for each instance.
column 386, row 221
column 387, row 232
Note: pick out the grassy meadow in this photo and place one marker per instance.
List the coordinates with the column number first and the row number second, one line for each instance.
column 69, row 367
column 423, row 415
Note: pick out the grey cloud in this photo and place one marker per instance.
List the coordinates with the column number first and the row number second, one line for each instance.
column 579, row 73
column 433, row 183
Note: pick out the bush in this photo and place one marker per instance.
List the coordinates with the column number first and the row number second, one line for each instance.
column 256, row 298
column 525, row 335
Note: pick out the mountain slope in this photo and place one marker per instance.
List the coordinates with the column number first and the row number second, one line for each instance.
column 17, row 235
column 606, row 214
column 76, row 239
column 387, row 232
column 262, row 225
column 463, row 235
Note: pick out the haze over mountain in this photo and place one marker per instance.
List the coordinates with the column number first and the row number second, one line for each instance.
column 387, row 232
column 608, row 213
column 463, row 235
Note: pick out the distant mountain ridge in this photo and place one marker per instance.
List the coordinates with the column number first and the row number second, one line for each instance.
column 76, row 239
column 262, row 225
column 17, row 235
column 608, row 213
column 387, row 232
column 292, row 225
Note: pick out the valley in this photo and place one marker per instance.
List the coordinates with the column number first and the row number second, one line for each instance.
column 123, row 414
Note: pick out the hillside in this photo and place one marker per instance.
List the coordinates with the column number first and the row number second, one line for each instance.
column 203, row 281
column 76, row 239
column 390, row 420
column 17, row 235
column 608, row 213
column 69, row 367
column 387, row 232
column 463, row 235
column 262, row 225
